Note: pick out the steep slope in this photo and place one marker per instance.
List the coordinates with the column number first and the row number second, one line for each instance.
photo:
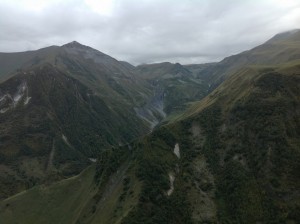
column 113, row 80
column 108, row 77
column 63, row 106
column 51, row 124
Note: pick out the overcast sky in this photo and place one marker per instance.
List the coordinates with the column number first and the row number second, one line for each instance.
column 146, row 31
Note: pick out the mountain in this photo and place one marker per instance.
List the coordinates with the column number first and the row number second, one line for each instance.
column 178, row 85
column 282, row 48
column 235, row 164
column 60, row 106
column 162, row 70
column 231, row 157
column 93, row 68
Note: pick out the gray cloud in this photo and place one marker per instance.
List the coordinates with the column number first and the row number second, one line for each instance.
column 145, row 31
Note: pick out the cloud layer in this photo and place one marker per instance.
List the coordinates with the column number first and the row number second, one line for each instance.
column 146, row 31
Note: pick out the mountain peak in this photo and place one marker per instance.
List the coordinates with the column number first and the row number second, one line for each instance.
column 74, row 44
column 76, row 47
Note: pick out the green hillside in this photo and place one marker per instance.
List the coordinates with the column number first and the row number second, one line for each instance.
column 57, row 206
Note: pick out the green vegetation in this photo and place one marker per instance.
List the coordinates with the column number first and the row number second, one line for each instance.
column 62, row 126
column 239, row 146
column 58, row 204
column 154, row 161
column 248, row 149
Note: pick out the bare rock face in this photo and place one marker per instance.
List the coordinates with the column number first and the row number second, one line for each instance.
column 10, row 100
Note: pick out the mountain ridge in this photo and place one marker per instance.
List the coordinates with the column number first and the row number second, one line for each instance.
column 229, row 152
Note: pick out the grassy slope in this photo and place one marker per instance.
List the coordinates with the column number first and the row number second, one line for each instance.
column 61, row 202
column 79, row 199
column 118, row 188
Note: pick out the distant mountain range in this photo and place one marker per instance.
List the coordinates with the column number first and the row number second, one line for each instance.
column 89, row 139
